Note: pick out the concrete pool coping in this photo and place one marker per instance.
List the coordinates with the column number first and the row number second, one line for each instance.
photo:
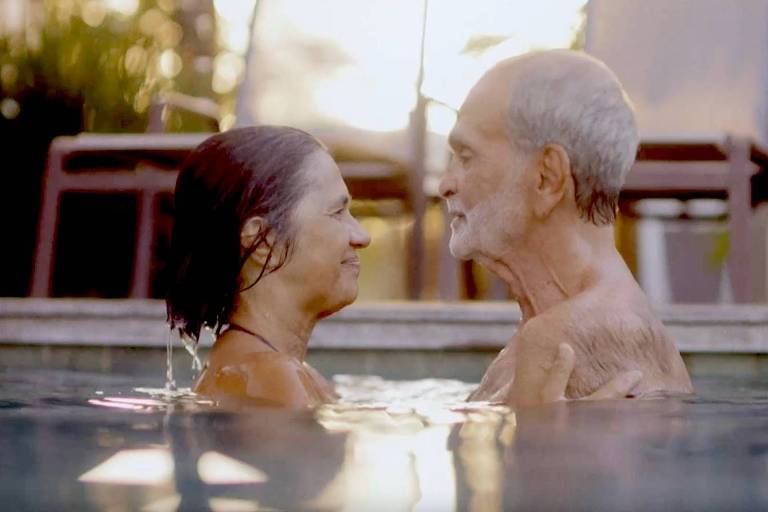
column 699, row 328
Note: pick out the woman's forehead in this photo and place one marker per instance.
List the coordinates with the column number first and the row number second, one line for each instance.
column 322, row 173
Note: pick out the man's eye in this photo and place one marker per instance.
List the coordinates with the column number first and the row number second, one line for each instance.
column 461, row 157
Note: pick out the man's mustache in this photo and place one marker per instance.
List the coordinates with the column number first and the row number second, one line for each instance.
column 454, row 210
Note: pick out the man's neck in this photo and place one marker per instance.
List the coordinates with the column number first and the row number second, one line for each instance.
column 267, row 310
column 556, row 262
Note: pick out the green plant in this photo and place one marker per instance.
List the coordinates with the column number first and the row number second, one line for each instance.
column 111, row 63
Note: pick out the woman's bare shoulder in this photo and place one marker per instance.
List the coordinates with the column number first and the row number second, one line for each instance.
column 267, row 378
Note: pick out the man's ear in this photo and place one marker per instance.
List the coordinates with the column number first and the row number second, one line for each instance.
column 554, row 176
column 255, row 229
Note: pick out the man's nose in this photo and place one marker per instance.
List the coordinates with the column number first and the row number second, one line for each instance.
column 359, row 238
column 447, row 186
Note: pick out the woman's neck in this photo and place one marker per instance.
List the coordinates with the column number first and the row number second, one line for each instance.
column 270, row 313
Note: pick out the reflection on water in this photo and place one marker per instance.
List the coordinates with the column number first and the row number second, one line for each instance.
column 148, row 466
column 392, row 461
column 217, row 469
column 399, row 453
column 386, row 445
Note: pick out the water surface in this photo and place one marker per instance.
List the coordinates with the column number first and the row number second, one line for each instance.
column 84, row 441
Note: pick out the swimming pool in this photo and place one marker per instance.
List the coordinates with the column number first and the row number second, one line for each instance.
column 75, row 440
column 75, row 435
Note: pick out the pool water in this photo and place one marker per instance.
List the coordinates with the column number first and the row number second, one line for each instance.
column 73, row 440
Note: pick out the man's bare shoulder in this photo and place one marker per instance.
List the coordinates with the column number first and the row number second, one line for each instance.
column 599, row 308
column 550, row 327
column 611, row 331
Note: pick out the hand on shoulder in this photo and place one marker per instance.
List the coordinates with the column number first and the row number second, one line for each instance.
column 556, row 382
column 545, row 363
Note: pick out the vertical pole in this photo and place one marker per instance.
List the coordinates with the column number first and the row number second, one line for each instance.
column 418, row 200
column 740, row 217
column 142, row 258
column 42, row 271
column 248, row 88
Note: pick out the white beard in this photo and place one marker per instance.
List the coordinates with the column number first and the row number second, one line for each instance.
column 487, row 229
column 459, row 244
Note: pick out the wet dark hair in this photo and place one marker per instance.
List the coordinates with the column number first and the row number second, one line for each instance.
column 228, row 179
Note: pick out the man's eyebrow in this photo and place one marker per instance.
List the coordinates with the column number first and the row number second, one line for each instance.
column 457, row 141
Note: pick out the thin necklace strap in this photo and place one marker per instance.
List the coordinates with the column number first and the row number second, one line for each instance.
column 238, row 327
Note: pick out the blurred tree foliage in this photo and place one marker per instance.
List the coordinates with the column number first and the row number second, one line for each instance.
column 88, row 65
column 112, row 64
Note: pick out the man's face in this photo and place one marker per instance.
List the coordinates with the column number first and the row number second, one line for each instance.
column 485, row 184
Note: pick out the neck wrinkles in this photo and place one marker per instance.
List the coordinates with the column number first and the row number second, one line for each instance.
column 552, row 266
column 270, row 314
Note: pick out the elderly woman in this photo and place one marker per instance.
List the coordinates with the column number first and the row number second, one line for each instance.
column 263, row 247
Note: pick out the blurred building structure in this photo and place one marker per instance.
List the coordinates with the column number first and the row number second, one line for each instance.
column 382, row 103
column 697, row 72
column 380, row 82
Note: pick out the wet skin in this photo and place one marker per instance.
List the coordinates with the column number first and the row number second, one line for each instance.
column 515, row 213
column 319, row 278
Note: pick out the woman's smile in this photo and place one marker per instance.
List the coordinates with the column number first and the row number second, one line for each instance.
column 352, row 263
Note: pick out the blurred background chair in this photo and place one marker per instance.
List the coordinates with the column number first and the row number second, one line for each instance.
column 377, row 165
column 333, row 69
column 144, row 165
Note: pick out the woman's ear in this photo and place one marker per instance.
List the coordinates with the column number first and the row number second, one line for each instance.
column 255, row 230
column 554, row 176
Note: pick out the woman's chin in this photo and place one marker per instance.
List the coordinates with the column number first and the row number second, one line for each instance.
column 350, row 296
column 340, row 303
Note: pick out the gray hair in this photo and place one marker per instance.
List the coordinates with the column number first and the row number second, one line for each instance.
column 575, row 101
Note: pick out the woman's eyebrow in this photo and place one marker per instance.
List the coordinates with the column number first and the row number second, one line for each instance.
column 343, row 200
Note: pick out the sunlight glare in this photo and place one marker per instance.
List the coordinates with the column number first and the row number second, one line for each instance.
column 170, row 63
column 168, row 504
column 124, row 7
column 370, row 102
column 393, row 459
column 93, row 13
column 217, row 468
column 234, row 17
column 146, row 466
column 227, row 70
column 356, row 63
column 232, row 505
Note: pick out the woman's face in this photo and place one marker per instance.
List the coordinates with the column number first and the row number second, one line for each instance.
column 324, row 264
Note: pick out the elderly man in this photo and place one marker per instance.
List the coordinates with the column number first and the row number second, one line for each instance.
column 541, row 148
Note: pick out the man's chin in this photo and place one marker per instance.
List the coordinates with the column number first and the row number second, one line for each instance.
column 460, row 251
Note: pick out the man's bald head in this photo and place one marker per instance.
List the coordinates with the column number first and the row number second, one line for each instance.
column 571, row 99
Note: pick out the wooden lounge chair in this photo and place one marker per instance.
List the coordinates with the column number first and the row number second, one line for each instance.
column 146, row 164
column 724, row 168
